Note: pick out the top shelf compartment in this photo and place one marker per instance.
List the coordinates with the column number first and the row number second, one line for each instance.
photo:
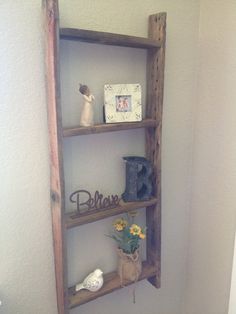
column 108, row 38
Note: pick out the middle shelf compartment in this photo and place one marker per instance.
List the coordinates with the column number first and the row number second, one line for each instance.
column 74, row 219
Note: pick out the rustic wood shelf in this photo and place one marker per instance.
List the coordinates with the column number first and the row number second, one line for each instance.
column 74, row 220
column 108, row 38
column 111, row 127
column 61, row 221
column 111, row 283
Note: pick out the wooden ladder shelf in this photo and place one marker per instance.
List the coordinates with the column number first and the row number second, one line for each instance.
column 61, row 221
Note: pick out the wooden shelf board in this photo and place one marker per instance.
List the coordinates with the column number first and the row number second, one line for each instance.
column 111, row 283
column 109, row 127
column 73, row 219
column 105, row 38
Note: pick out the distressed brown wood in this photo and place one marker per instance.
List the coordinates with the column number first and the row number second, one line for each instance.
column 108, row 38
column 50, row 8
column 74, row 220
column 111, row 283
column 155, row 45
column 102, row 128
column 155, row 86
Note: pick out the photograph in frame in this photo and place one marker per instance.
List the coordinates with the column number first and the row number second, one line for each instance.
column 122, row 103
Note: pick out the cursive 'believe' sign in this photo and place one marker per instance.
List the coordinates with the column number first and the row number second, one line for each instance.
column 84, row 200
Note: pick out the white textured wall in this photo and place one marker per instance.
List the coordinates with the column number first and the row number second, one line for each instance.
column 213, row 219
column 26, row 259
column 26, row 267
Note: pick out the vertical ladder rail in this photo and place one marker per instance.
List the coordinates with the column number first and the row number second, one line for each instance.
column 155, row 86
column 51, row 18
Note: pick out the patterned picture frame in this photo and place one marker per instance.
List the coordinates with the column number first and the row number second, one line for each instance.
column 122, row 103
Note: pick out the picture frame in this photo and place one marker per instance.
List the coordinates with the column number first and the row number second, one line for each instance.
column 122, row 103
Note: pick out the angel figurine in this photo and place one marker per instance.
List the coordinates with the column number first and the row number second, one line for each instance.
column 86, row 118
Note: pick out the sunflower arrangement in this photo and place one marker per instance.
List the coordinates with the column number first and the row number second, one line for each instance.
column 127, row 234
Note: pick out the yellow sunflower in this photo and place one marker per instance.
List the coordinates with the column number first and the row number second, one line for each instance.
column 142, row 236
column 135, row 230
column 120, row 224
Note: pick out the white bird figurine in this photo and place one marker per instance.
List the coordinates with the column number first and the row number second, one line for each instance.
column 93, row 282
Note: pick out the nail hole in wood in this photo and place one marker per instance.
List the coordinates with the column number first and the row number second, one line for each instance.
column 53, row 197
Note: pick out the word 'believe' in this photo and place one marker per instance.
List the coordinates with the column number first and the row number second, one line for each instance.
column 84, row 200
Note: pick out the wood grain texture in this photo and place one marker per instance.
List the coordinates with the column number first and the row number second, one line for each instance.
column 50, row 8
column 74, row 220
column 155, row 87
column 111, row 127
column 111, row 283
column 155, row 82
column 108, row 38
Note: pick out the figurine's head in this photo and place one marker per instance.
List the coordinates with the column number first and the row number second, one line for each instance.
column 98, row 272
column 84, row 90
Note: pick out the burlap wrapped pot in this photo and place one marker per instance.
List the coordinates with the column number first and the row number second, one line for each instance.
column 129, row 266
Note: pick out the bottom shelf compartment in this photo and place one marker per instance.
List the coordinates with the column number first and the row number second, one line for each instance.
column 111, row 283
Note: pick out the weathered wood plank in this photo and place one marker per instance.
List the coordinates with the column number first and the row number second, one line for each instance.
column 51, row 16
column 108, row 38
column 153, row 124
column 155, row 86
column 111, row 283
column 102, row 128
column 73, row 219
